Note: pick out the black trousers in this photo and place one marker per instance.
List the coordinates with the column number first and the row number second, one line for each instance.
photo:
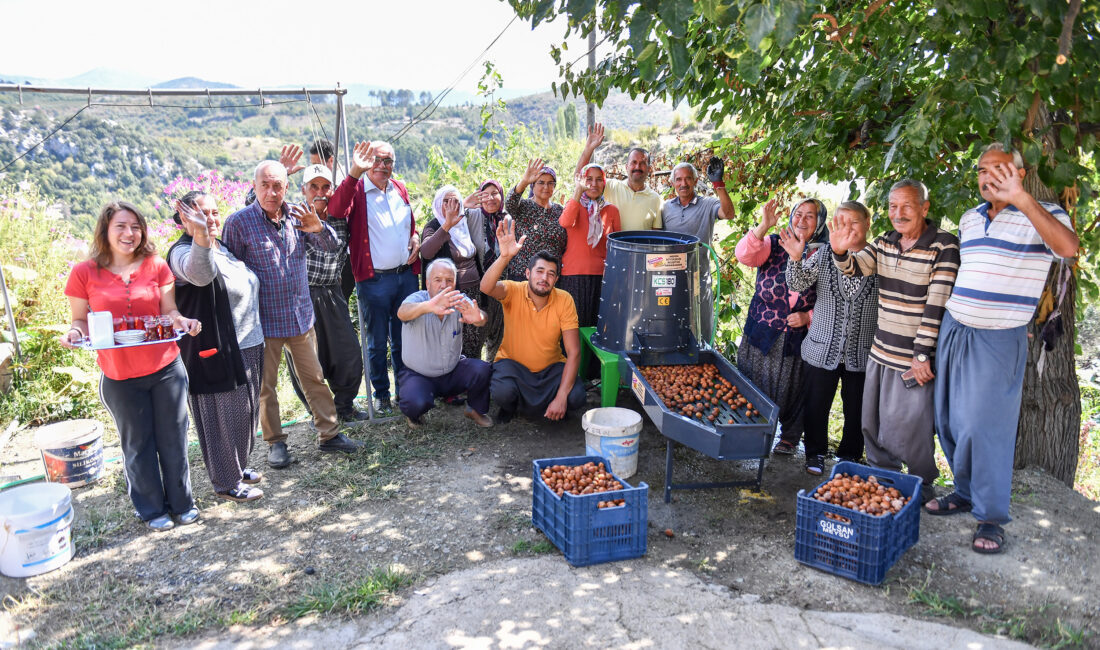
column 820, row 388
column 151, row 415
column 338, row 348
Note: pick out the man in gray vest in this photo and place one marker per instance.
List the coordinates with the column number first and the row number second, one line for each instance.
column 431, row 328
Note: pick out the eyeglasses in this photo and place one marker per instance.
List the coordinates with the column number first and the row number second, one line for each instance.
column 547, row 183
column 384, row 162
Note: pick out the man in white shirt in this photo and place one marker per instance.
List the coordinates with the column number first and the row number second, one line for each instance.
column 385, row 254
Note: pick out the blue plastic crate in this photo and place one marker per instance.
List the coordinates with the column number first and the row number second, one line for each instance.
column 585, row 533
column 866, row 548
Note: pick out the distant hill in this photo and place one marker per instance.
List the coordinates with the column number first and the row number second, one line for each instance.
column 192, row 82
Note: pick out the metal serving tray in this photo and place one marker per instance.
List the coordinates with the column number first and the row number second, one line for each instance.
column 86, row 343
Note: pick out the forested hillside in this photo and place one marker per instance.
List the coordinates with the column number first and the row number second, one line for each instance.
column 122, row 147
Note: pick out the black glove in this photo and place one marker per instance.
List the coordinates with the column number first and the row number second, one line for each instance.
column 716, row 169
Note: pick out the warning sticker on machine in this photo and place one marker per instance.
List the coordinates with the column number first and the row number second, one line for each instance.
column 637, row 387
column 666, row 262
column 663, row 292
column 664, row 280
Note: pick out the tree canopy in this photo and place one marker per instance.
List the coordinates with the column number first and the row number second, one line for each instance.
column 877, row 90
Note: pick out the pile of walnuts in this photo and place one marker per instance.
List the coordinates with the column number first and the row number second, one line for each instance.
column 866, row 496
column 589, row 478
column 698, row 391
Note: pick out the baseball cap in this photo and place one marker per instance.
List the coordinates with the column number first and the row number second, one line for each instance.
column 316, row 171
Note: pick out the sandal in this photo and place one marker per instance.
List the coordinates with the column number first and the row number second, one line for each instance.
column 241, row 493
column 988, row 532
column 952, row 504
column 251, row 476
column 784, row 448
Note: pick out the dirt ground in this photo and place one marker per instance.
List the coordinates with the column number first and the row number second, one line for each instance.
column 449, row 497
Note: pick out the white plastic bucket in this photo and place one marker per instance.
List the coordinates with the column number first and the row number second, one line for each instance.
column 35, row 529
column 72, row 451
column 612, row 432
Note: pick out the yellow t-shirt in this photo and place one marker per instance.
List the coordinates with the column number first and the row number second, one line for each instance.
column 532, row 337
column 637, row 210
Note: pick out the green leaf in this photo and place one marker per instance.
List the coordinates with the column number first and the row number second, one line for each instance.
column 543, row 9
column 759, row 23
column 675, row 14
column 786, row 26
column 895, row 130
column 982, row 108
column 680, row 60
column 579, row 9
column 748, row 68
column 647, row 62
column 641, row 24
column 890, row 155
column 862, row 84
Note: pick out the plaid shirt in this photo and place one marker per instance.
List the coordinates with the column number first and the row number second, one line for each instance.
column 324, row 268
column 276, row 253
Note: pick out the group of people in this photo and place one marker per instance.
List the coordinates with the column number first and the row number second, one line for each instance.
column 924, row 332
column 911, row 326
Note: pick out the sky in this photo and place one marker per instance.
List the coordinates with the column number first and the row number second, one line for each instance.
column 416, row 44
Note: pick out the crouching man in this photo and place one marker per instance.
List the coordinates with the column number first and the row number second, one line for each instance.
column 530, row 375
column 431, row 327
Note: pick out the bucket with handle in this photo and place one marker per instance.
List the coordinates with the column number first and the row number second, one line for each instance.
column 35, row 529
column 612, row 433
column 72, row 451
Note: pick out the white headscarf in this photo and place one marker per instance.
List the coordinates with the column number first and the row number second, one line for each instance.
column 460, row 233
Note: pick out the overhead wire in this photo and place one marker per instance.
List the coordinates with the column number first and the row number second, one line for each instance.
column 435, row 103
column 48, row 136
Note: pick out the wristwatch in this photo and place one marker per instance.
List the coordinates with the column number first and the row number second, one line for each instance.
column 923, row 358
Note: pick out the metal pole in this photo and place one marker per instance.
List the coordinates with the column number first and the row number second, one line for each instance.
column 590, row 113
column 169, row 92
column 336, row 144
column 11, row 317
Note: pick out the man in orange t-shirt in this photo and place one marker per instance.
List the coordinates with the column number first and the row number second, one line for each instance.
column 530, row 374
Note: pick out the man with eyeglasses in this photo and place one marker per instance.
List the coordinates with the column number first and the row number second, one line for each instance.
column 385, row 254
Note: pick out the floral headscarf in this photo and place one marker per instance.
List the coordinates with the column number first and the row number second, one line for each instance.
column 593, row 206
column 546, row 169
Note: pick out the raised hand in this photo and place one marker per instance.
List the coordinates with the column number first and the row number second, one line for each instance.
column 289, row 158
column 470, row 312
column 790, row 242
column 534, row 170
column 474, row 200
column 452, row 213
column 445, row 302
column 362, row 156
column 595, row 136
column 306, row 214
column 506, row 238
column 1005, row 184
column 771, row 215
column 842, row 236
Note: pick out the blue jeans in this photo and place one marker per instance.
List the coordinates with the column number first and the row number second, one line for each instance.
column 379, row 298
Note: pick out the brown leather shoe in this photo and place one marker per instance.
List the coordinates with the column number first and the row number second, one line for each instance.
column 481, row 420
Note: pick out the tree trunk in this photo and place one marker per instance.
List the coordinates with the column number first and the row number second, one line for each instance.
column 1050, row 413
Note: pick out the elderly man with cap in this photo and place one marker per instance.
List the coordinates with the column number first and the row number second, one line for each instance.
column 337, row 345
column 691, row 214
column 385, row 255
column 431, row 329
column 639, row 205
column 271, row 239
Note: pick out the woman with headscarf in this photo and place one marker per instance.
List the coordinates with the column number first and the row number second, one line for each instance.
column 588, row 219
column 486, row 207
column 535, row 217
column 836, row 348
column 450, row 235
column 770, row 353
column 225, row 362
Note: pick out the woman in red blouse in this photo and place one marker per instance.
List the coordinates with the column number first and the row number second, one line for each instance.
column 588, row 219
column 144, row 388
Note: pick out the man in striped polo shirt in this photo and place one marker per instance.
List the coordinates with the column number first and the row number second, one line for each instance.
column 1007, row 244
column 916, row 265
